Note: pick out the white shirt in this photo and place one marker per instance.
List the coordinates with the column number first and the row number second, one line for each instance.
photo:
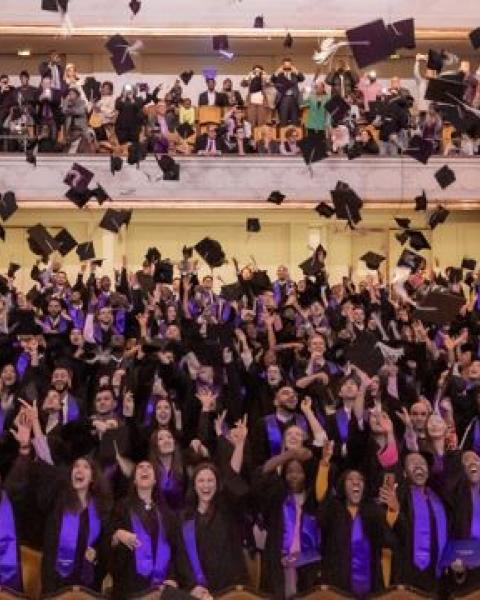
column 211, row 98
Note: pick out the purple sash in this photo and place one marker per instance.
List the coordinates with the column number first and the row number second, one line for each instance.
column 475, row 522
column 72, row 410
column 476, row 436
column 67, row 543
column 190, row 540
column 120, row 320
column 103, row 300
column 60, row 328
column 360, row 565
column 170, row 487
column 309, row 533
column 78, row 317
column 149, row 411
column 3, row 414
column 341, row 417
column 9, row 567
column 154, row 569
column 422, row 535
column 23, row 362
column 274, row 433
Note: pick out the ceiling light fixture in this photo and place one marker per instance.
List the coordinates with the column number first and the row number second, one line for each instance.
column 24, row 52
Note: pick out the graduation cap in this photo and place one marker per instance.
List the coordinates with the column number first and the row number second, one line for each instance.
column 325, row 210
column 163, row 272
column 26, row 325
column 347, row 203
column 438, row 216
column 253, row 225
column 417, row 240
column 116, row 163
column 78, row 177
column 100, row 194
column 209, row 73
column 91, row 87
column 438, row 307
column 220, row 42
column 288, row 41
column 78, row 197
column 410, row 259
column 40, row 241
column 211, row 251
column 34, row 296
column 365, row 354
column 231, row 292
column 12, row 269
column 185, row 130
column 469, row 264
column 169, row 168
column 445, row 177
column 65, row 242
column 259, row 22
column 276, row 197
column 421, row 201
column 314, row 149
column 260, row 282
column 435, row 60
column 372, row 260
column 443, row 90
column 370, row 43
column 402, row 34
column 402, row 222
column 55, row 5
column 420, row 149
column 474, row 36
column 120, row 54
column 455, row 275
column 135, row 6
column 2, row 233
column 310, row 267
column 402, row 237
column 8, row 205
column 153, row 255
column 113, row 220
column 185, row 76
column 337, row 107
column 136, row 153
column 31, row 157
column 85, row 251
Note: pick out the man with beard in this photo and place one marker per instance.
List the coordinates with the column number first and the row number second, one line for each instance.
column 61, row 381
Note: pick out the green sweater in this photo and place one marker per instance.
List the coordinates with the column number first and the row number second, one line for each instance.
column 318, row 117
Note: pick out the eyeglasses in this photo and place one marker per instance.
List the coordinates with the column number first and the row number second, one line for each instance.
column 417, row 414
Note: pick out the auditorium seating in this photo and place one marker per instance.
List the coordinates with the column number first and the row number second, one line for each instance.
column 75, row 593
column 209, row 114
column 6, row 594
column 400, row 592
column 31, row 572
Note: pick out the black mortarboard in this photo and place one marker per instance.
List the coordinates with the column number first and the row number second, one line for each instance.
column 12, row 269
column 435, row 60
column 78, row 177
column 347, row 203
column 314, row 148
column 116, row 163
column 410, row 259
column 474, row 36
column 372, row 260
column 185, row 130
column 260, row 282
column 402, row 222
column 136, row 153
column 469, row 279
column 288, row 41
column 259, row 22
column 163, row 272
column 65, row 242
column 253, row 225
column 4, row 289
column 469, row 264
column 40, row 241
column 455, row 275
column 402, row 34
column 220, row 42
column 231, row 291
column 365, row 354
column 114, row 219
column 337, row 107
column 169, row 168
column 26, row 324
column 310, row 267
column 276, row 197
column 445, row 177
column 438, row 216
column 187, row 252
column 438, row 307
column 135, row 6
column 444, row 90
column 153, row 255
column 8, row 205
column 78, row 197
column 211, row 251
column 421, row 201
column 31, row 157
column 2, row 232
column 402, row 237
column 325, row 210
column 91, row 87
column 34, row 296
column 86, row 251
column 420, row 149
column 121, row 58
column 55, row 5
column 417, row 240
column 370, row 43
column 100, row 194
column 185, row 76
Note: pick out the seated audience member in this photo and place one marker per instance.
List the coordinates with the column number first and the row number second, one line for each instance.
column 431, row 127
column 26, row 94
column 74, row 110
column 7, row 97
column 267, row 143
column 210, row 143
column 159, row 132
column 186, row 112
column 365, row 142
column 289, row 146
column 130, row 117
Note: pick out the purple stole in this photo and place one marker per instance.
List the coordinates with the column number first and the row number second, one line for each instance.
column 170, row 487
column 476, row 436
column 422, row 503
column 78, row 317
column 274, row 433
column 360, row 558
column 61, row 328
column 149, row 412
column 150, row 562
column 342, row 420
column 72, row 410
column 309, row 533
column 9, row 567
column 22, row 364
column 190, row 541
column 98, row 332
column 67, row 543
column 120, row 320
column 103, row 299
column 475, row 522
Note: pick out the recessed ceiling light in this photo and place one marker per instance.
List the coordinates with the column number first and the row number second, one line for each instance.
column 24, row 52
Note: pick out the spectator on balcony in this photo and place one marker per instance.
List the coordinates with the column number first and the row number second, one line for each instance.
column 370, row 88
column 130, row 115
column 75, row 111
column 7, row 97
column 17, row 124
column 286, row 80
column 49, row 107
column 257, row 109
column 171, row 112
column 240, row 143
column 26, row 95
column 396, row 90
column 159, row 131
column 431, row 126
column 233, row 97
column 175, row 93
column 342, row 80
column 73, row 80
column 470, row 81
column 234, row 118
column 421, row 83
column 289, row 146
column 365, row 142
column 211, row 97
column 186, row 112
column 267, row 143
column 53, row 69
column 104, row 113
column 317, row 119
column 209, row 143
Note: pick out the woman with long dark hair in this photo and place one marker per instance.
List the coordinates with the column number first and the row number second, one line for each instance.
column 143, row 530
column 166, row 457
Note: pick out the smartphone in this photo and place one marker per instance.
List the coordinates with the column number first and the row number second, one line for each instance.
column 389, row 480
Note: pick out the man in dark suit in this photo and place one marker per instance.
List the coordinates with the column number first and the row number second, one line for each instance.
column 211, row 97
column 53, row 69
column 210, row 143
column 286, row 80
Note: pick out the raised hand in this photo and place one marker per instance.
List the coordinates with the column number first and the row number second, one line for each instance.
column 219, row 421
column 207, row 399
column 327, row 452
column 239, row 433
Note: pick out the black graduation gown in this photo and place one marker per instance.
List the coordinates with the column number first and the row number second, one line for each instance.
column 259, row 438
column 16, row 583
column 336, row 523
column 355, row 445
column 126, row 580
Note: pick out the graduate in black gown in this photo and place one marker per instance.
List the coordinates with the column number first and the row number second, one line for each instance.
column 210, row 555
column 143, row 553
column 166, row 457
